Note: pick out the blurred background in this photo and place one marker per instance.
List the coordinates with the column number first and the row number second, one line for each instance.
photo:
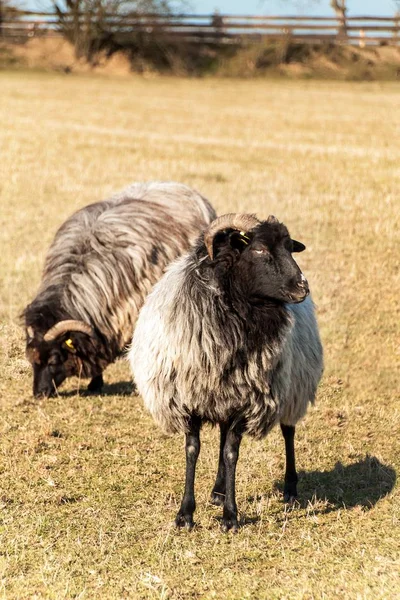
column 283, row 108
column 347, row 39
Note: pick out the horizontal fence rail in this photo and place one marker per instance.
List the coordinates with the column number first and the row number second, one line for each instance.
column 211, row 29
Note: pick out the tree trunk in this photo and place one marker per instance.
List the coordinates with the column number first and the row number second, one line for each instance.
column 339, row 6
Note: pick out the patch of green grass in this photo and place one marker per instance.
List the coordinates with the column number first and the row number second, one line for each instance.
column 88, row 486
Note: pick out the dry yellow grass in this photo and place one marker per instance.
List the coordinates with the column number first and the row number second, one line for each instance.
column 88, row 485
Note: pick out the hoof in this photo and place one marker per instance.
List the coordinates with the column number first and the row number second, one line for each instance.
column 185, row 521
column 289, row 498
column 229, row 520
column 96, row 384
column 217, row 498
column 230, row 525
column 94, row 389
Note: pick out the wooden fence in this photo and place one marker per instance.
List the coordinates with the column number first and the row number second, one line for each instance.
column 217, row 29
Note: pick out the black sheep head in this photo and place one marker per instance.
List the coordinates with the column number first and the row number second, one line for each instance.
column 256, row 258
column 66, row 349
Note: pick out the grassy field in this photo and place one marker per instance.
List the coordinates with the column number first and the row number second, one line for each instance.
column 88, row 486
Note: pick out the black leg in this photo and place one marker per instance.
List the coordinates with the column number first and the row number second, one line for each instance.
column 184, row 518
column 290, row 489
column 96, row 384
column 231, row 455
column 218, row 491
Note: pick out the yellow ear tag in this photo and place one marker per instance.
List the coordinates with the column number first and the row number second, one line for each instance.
column 244, row 237
column 70, row 345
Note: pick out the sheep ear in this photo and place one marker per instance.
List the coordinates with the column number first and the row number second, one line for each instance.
column 297, row 246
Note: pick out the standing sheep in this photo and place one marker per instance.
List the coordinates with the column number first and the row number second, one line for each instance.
column 223, row 339
column 98, row 270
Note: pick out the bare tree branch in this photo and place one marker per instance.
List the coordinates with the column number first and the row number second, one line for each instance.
column 92, row 25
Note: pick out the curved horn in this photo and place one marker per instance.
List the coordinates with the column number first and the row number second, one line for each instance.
column 64, row 326
column 239, row 221
column 272, row 219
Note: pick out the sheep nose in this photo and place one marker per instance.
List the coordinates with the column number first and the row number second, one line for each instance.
column 303, row 285
column 44, row 393
column 44, row 390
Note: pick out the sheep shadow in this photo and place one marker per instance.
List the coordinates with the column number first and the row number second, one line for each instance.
column 120, row 388
column 362, row 484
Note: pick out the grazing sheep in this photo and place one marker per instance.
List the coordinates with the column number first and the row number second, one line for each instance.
column 98, row 270
column 223, row 339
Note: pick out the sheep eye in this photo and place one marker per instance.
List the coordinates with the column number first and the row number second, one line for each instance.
column 260, row 250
